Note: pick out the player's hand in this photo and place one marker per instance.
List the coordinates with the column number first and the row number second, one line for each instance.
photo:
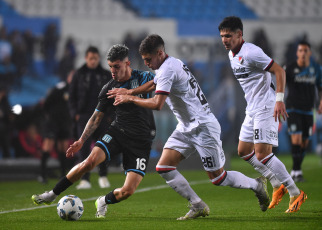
column 121, row 99
column 280, row 111
column 74, row 148
column 117, row 91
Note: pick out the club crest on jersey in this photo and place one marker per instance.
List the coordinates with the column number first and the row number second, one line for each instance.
column 241, row 60
column 134, row 84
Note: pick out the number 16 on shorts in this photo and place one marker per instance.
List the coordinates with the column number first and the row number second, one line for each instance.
column 140, row 163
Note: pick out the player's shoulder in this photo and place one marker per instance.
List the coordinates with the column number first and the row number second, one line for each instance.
column 250, row 48
column 141, row 73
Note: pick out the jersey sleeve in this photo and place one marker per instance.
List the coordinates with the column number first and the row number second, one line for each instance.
column 103, row 101
column 164, row 81
column 257, row 58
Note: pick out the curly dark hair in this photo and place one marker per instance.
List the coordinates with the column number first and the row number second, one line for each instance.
column 231, row 23
column 117, row 52
column 151, row 44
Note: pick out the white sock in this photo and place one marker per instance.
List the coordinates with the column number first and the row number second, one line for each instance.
column 262, row 169
column 278, row 168
column 176, row 181
column 235, row 179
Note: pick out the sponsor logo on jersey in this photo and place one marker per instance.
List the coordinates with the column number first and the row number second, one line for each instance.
column 240, row 72
column 134, row 84
column 305, row 79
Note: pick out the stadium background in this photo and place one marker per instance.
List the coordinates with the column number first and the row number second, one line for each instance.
column 189, row 28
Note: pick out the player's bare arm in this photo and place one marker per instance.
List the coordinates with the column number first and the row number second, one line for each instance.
column 90, row 127
column 155, row 103
column 280, row 110
column 145, row 88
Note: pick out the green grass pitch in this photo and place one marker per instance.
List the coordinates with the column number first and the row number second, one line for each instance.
column 156, row 206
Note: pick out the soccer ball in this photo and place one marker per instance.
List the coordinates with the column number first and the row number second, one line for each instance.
column 70, row 207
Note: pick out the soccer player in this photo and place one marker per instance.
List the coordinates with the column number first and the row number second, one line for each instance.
column 302, row 78
column 133, row 125
column 57, row 126
column 197, row 131
column 259, row 131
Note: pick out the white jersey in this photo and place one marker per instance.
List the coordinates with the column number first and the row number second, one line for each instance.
column 250, row 66
column 185, row 97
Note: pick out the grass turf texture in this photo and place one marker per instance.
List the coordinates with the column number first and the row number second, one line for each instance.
column 159, row 206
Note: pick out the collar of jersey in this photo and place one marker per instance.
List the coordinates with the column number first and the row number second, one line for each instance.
column 239, row 48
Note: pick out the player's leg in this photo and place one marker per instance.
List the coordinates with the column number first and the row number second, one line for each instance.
column 296, row 150
column 64, row 134
column 209, row 146
column 62, row 146
column 265, row 155
column 295, row 127
column 96, row 157
column 246, row 151
column 279, row 189
column 166, row 167
column 131, row 183
column 47, row 146
column 82, row 155
column 307, row 122
column 135, row 159
column 84, row 151
column 175, row 150
column 265, row 137
column 238, row 180
column 103, row 181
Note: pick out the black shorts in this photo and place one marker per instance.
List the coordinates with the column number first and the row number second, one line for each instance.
column 300, row 123
column 57, row 130
column 135, row 152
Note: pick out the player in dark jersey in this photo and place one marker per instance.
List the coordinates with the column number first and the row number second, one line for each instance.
column 302, row 79
column 56, row 128
column 131, row 133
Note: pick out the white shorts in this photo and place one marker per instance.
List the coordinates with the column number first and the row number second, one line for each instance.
column 260, row 127
column 205, row 140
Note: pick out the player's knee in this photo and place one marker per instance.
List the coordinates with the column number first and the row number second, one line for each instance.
column 162, row 169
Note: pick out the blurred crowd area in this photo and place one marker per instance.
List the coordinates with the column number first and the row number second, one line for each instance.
column 20, row 125
column 27, row 55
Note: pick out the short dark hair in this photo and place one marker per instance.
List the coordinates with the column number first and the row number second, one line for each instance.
column 151, row 44
column 305, row 43
column 117, row 52
column 231, row 23
column 92, row 49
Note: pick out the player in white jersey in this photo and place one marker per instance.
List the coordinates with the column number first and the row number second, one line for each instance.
column 197, row 131
column 259, row 131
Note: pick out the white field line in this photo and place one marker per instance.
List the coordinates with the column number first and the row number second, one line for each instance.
column 94, row 198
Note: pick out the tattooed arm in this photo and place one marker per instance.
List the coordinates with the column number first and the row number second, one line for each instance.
column 90, row 127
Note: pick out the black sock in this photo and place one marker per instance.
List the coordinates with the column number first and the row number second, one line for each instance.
column 110, row 198
column 297, row 157
column 62, row 185
column 43, row 164
column 303, row 152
